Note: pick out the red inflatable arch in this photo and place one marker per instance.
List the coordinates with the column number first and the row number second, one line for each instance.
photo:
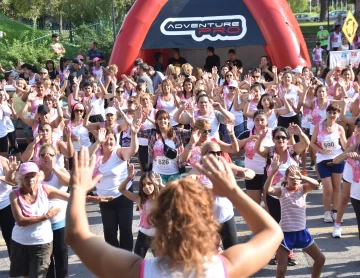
column 158, row 25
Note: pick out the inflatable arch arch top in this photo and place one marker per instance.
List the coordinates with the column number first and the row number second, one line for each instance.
column 158, row 25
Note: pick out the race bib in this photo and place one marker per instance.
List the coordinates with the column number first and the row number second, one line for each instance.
column 309, row 120
column 328, row 145
column 163, row 162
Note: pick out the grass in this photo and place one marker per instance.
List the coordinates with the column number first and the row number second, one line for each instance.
column 16, row 30
column 311, row 28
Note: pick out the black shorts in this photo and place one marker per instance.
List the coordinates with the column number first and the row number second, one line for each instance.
column 257, row 183
column 4, row 146
column 307, row 132
column 29, row 260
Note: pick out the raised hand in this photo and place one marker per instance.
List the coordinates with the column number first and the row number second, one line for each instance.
column 38, row 137
column 135, row 126
column 13, row 164
column 295, row 172
column 131, row 171
column 101, row 135
column 98, row 76
column 214, row 71
column 217, row 106
column 32, row 96
column 195, row 136
column 294, row 129
column 67, row 74
column 263, row 133
column 156, row 179
column 83, row 169
column 274, row 69
column 275, row 164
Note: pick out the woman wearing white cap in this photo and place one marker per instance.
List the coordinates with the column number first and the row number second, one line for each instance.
column 31, row 241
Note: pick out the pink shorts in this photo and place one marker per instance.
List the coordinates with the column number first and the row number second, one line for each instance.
column 317, row 63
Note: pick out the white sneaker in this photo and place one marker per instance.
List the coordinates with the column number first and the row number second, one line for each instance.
column 328, row 217
column 337, row 232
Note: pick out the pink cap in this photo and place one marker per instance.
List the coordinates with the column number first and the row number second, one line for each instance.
column 80, row 57
column 233, row 83
column 28, row 167
column 96, row 59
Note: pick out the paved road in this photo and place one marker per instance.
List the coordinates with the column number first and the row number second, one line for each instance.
column 342, row 259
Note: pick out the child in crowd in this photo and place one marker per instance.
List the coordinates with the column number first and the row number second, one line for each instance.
column 150, row 185
column 317, row 57
column 292, row 196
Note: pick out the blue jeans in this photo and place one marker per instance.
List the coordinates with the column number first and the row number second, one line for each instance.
column 237, row 130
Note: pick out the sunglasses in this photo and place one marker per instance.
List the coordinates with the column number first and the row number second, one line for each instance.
column 44, row 154
column 207, row 131
column 281, row 137
column 215, row 153
column 130, row 101
column 78, row 111
column 120, row 92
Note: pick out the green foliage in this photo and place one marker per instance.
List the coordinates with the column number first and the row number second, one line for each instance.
column 101, row 33
column 26, row 49
column 315, row 9
column 14, row 29
column 299, row 6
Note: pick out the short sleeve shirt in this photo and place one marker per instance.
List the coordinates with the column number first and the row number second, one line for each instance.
column 322, row 36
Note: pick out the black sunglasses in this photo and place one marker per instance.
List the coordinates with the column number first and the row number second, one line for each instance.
column 207, row 131
column 120, row 92
column 50, row 154
column 215, row 153
column 78, row 111
column 130, row 101
column 281, row 137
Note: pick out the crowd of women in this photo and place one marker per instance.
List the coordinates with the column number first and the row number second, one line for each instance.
column 262, row 127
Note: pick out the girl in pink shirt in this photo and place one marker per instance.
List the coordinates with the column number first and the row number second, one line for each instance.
column 150, row 185
column 292, row 195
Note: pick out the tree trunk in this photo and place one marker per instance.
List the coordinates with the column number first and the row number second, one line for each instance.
column 60, row 23
column 34, row 19
column 323, row 9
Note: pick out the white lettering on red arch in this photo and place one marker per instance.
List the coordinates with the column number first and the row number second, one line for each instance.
column 213, row 28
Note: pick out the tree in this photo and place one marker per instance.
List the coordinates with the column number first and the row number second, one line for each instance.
column 298, row 6
column 323, row 9
column 30, row 9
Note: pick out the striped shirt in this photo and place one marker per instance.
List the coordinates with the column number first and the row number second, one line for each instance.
column 293, row 209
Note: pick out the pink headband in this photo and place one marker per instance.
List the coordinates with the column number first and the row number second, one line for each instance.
column 77, row 106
